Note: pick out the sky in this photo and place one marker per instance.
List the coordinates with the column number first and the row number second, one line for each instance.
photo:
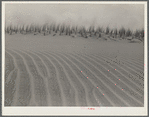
column 112, row 15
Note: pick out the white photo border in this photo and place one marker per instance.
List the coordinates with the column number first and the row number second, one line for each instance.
column 102, row 111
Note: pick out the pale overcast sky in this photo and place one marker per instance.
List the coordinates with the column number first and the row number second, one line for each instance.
column 130, row 16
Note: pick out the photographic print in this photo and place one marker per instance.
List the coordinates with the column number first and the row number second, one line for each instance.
column 82, row 55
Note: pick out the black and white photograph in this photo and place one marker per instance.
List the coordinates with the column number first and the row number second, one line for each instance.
column 83, row 55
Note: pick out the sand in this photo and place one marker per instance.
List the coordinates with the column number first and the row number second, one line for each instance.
column 73, row 71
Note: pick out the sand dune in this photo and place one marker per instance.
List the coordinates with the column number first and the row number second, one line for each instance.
column 61, row 71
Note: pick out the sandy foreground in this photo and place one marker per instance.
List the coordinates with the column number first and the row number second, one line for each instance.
column 73, row 71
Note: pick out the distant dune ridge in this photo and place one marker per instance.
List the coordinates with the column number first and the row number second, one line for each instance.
column 74, row 31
